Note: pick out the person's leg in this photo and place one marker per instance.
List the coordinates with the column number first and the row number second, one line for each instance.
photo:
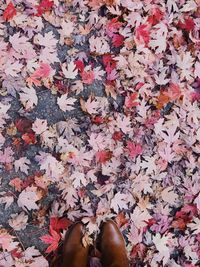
column 112, row 246
column 74, row 254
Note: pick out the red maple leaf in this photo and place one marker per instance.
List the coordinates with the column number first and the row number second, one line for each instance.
column 187, row 25
column 44, row 6
column 103, row 156
column 98, row 120
column 16, row 254
column 117, row 40
column 52, row 239
column 117, row 136
column 29, row 138
column 23, row 125
column 9, row 12
column 156, row 16
column 59, row 224
column 79, row 65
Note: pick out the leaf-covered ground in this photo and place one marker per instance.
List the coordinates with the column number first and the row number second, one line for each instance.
column 99, row 118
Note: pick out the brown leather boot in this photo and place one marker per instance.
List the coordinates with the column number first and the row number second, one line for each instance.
column 74, row 253
column 112, row 246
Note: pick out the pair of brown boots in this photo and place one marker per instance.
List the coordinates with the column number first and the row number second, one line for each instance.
column 111, row 245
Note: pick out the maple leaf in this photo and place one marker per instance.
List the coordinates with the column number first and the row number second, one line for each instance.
column 67, row 28
column 91, row 105
column 69, row 70
column 16, row 183
column 187, row 25
column 22, row 165
column 6, row 241
column 170, row 135
column 149, row 164
column 124, row 123
column 166, row 153
column 6, row 199
column 22, row 46
column 87, row 76
column 134, row 149
column 113, row 26
column 13, row 68
column 185, row 62
column 50, row 164
column 159, row 38
column 9, row 12
column 117, row 40
column 7, row 155
column 174, row 92
column 78, row 179
column 98, row 73
column 160, row 242
column 59, row 224
column 119, row 202
column 29, row 138
column 169, row 195
column 195, row 225
column 142, row 34
column 99, row 45
column 44, row 5
column 42, row 72
column 39, row 126
column 23, row 124
column 156, row 16
column 52, row 239
column 163, row 99
column 130, row 100
column 121, row 219
column 140, row 217
column 66, row 103
column 47, row 40
column 103, row 156
column 18, row 221
column 27, row 198
column 28, row 97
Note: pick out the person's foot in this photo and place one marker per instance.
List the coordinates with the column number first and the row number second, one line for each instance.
column 74, row 253
column 112, row 246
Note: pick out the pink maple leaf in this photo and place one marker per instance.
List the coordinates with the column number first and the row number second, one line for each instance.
column 7, row 155
column 134, row 149
column 113, row 26
column 42, row 72
column 88, row 77
column 142, row 34
column 130, row 100
column 174, row 91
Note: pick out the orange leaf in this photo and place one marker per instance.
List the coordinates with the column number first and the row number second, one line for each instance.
column 162, row 100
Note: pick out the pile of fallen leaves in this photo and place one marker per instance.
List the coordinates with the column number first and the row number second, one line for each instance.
column 132, row 154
